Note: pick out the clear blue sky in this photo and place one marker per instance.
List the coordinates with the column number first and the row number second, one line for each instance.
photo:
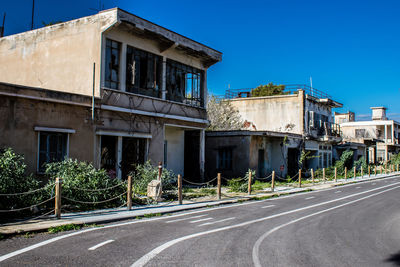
column 350, row 48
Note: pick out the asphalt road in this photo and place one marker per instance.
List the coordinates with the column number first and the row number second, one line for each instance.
column 353, row 225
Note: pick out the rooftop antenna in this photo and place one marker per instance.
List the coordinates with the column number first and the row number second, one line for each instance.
column 33, row 12
column 2, row 27
column 312, row 89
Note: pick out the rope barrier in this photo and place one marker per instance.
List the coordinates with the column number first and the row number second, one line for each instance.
column 28, row 192
column 96, row 190
column 31, row 206
column 206, row 183
column 265, row 178
column 94, row 202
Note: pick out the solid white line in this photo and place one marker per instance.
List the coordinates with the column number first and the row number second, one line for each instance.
column 224, row 220
column 269, row 206
column 307, row 198
column 153, row 253
column 201, row 220
column 338, row 192
column 233, row 205
column 101, row 244
column 256, row 247
column 183, row 219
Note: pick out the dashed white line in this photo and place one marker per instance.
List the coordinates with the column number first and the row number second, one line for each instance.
column 307, row 198
column 101, row 244
column 269, row 206
column 188, row 218
column 373, row 183
column 223, row 220
column 201, row 220
column 358, row 187
column 338, row 192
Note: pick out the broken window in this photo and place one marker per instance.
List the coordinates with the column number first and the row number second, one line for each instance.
column 109, row 155
column 133, row 154
column 184, row 84
column 360, row 133
column 143, row 72
column 52, row 148
column 112, row 64
column 224, row 158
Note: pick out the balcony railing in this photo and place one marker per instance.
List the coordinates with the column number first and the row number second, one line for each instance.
column 325, row 128
column 289, row 90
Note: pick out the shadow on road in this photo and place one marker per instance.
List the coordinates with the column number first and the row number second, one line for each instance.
column 394, row 258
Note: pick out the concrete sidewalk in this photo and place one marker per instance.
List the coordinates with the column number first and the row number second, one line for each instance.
column 112, row 215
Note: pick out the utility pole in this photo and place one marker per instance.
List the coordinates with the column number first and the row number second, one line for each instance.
column 33, row 12
column 2, row 27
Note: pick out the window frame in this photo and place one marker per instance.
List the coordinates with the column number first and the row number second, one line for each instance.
column 107, row 82
column 55, row 131
column 225, row 167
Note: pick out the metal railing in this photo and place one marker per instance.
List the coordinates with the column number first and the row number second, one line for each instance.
column 289, row 90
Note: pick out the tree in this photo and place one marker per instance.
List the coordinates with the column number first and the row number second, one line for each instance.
column 269, row 90
column 222, row 115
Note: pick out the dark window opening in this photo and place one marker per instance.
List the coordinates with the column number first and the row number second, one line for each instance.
column 184, row 84
column 143, row 72
column 360, row 132
column 112, row 64
column 52, row 148
column 109, row 155
column 224, row 158
column 133, row 153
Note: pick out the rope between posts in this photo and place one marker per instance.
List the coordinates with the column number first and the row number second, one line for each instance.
column 28, row 192
column 96, row 190
column 31, row 206
column 236, row 179
column 265, row 178
column 94, row 202
column 206, row 183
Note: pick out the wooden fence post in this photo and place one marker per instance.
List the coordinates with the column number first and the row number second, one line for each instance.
column 381, row 168
column 159, row 170
column 375, row 170
column 335, row 174
column 345, row 173
column 180, row 189
column 312, row 176
column 219, row 185
column 129, row 193
column 273, row 182
column 299, row 177
column 323, row 174
column 57, row 207
column 362, row 172
column 369, row 170
column 397, row 167
column 355, row 172
column 386, row 167
column 249, row 186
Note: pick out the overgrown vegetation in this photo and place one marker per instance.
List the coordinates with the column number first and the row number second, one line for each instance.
column 63, row 228
column 268, row 90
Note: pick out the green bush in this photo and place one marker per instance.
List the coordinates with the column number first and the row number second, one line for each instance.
column 146, row 172
column 241, row 184
column 345, row 161
column 14, row 180
column 361, row 162
column 81, row 181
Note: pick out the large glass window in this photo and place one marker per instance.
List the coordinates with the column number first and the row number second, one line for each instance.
column 143, row 72
column 112, row 64
column 184, row 83
column 52, row 148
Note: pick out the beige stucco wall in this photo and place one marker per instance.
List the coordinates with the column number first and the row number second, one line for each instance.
column 59, row 57
column 273, row 113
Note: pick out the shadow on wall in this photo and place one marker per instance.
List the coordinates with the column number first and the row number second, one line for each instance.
column 394, row 258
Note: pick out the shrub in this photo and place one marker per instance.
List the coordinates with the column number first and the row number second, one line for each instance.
column 345, row 161
column 14, row 180
column 241, row 184
column 81, row 182
column 146, row 172
column 361, row 162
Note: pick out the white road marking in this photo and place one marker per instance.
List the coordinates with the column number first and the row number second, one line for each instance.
column 373, row 183
column 201, row 220
column 307, row 198
column 338, row 192
column 256, row 247
column 233, row 205
column 269, row 206
column 358, row 187
column 101, row 244
column 223, row 220
column 188, row 218
column 153, row 253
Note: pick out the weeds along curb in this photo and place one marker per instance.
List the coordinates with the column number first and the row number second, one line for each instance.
column 208, row 205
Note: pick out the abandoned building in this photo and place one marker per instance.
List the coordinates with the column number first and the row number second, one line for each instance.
column 112, row 89
column 302, row 111
column 380, row 135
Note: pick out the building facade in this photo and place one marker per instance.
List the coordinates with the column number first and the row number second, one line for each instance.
column 113, row 89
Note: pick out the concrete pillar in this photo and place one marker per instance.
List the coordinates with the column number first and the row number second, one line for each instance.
column 122, row 68
column 202, row 153
column 119, row 157
column 386, row 133
column 164, row 78
column 392, row 137
column 205, row 89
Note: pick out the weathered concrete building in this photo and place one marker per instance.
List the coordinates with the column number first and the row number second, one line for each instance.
column 232, row 153
column 302, row 110
column 380, row 135
column 113, row 89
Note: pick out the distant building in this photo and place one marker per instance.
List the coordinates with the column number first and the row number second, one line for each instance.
column 380, row 135
column 113, row 89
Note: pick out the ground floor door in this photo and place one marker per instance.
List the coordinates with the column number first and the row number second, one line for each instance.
column 133, row 153
column 192, row 155
column 293, row 161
